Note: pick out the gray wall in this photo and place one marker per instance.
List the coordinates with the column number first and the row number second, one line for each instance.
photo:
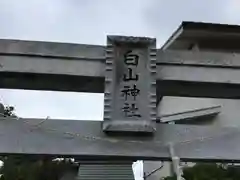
column 229, row 115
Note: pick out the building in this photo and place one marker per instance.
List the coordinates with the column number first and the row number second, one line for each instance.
column 204, row 37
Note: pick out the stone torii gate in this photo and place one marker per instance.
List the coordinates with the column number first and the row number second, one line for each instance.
column 133, row 75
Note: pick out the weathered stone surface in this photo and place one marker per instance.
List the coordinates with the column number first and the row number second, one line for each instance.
column 85, row 140
column 76, row 67
column 130, row 85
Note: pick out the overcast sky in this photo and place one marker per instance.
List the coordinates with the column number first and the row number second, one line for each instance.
column 88, row 22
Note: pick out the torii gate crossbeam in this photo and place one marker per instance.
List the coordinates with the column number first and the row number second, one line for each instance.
column 75, row 67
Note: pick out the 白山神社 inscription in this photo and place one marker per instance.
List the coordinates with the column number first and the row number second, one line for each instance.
column 130, row 84
column 130, row 91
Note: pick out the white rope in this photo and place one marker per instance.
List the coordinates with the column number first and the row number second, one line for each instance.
column 175, row 162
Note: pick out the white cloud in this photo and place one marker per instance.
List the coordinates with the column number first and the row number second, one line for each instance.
column 57, row 105
column 232, row 10
column 71, row 21
column 164, row 16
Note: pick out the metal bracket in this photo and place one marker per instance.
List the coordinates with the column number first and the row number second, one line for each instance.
column 145, row 176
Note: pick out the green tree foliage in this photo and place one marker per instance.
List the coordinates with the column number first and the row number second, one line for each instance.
column 9, row 111
column 26, row 168
column 22, row 167
column 210, row 171
column 170, row 178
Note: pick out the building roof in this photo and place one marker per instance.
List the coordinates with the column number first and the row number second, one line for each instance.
column 219, row 37
column 191, row 114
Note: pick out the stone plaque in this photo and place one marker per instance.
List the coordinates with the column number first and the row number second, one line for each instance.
column 130, row 84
